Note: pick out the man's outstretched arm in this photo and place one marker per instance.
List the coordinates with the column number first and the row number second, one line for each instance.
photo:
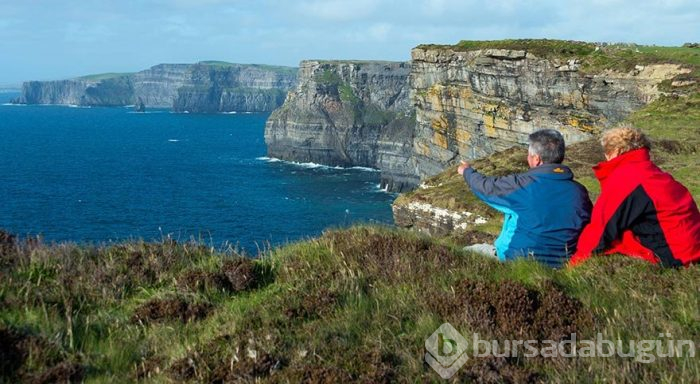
column 491, row 189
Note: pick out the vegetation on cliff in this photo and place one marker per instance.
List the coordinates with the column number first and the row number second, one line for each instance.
column 595, row 58
column 105, row 76
column 352, row 305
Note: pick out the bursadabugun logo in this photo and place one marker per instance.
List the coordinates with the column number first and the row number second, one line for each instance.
column 446, row 351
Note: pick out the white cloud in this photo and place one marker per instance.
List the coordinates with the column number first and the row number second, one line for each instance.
column 338, row 10
column 135, row 34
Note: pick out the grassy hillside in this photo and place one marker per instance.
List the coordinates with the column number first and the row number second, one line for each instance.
column 353, row 305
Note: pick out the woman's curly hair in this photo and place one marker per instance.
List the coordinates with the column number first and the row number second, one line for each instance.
column 624, row 138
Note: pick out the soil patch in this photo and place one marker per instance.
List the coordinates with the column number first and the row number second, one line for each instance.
column 498, row 370
column 508, row 310
column 240, row 274
column 580, row 157
column 62, row 373
column 149, row 367
column 12, row 355
column 313, row 374
column 17, row 346
column 313, row 304
column 169, row 309
column 226, row 360
column 391, row 257
column 8, row 242
column 472, row 237
column 236, row 275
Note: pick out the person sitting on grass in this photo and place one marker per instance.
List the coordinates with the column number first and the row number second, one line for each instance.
column 545, row 209
column 641, row 211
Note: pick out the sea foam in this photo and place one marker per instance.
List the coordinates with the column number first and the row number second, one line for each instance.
column 310, row 165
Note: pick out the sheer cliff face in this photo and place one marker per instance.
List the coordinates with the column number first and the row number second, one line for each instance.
column 471, row 104
column 158, row 86
column 185, row 87
column 348, row 114
column 54, row 92
column 248, row 88
column 118, row 91
column 413, row 120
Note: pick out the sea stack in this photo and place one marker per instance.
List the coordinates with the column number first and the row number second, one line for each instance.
column 140, row 106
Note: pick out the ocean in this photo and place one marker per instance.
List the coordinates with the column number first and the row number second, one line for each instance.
column 100, row 175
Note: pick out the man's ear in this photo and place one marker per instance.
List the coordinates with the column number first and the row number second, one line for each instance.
column 538, row 160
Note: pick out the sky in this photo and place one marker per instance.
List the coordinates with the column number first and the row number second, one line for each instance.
column 53, row 39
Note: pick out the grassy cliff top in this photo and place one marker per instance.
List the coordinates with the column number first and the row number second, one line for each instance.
column 273, row 68
column 594, row 57
column 339, row 61
column 353, row 305
column 105, row 76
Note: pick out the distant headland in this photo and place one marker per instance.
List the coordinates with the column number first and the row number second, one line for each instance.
column 207, row 86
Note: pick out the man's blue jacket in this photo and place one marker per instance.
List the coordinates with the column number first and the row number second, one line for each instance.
column 545, row 211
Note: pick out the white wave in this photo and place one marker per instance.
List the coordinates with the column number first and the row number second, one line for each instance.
column 310, row 165
column 13, row 105
column 229, row 113
column 377, row 188
column 268, row 159
column 173, row 140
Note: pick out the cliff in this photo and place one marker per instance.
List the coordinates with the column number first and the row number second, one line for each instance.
column 224, row 87
column 110, row 92
column 474, row 101
column 465, row 101
column 201, row 87
column 348, row 113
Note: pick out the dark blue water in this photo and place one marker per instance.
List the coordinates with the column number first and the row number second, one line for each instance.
column 108, row 174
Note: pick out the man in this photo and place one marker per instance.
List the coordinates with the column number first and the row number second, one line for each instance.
column 545, row 209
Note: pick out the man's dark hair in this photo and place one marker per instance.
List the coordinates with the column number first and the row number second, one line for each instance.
column 548, row 144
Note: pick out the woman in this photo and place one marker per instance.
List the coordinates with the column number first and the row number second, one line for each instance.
column 642, row 211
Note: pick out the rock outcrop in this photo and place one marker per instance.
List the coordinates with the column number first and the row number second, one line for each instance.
column 348, row 113
column 201, row 87
column 470, row 104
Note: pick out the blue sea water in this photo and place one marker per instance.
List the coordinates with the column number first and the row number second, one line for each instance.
column 109, row 174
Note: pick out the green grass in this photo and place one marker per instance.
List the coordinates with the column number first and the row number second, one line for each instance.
column 596, row 58
column 273, row 68
column 329, row 78
column 354, row 305
column 105, row 76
